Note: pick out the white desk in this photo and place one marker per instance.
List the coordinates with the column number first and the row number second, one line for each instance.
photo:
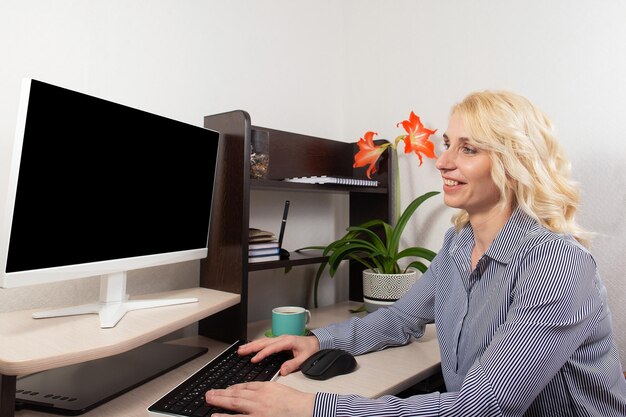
column 386, row 372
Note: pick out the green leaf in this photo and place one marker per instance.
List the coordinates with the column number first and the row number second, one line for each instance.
column 388, row 236
column 376, row 240
column 418, row 253
column 311, row 248
column 363, row 261
column 353, row 248
column 318, row 275
column 417, row 265
column 404, row 219
column 358, row 310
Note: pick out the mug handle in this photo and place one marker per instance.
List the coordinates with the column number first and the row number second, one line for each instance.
column 308, row 316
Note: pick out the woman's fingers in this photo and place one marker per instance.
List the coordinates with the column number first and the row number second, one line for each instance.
column 264, row 347
column 228, row 399
column 301, row 346
column 263, row 399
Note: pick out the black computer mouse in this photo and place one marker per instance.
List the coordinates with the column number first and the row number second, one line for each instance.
column 327, row 363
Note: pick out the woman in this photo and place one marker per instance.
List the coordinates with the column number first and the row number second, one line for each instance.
column 521, row 314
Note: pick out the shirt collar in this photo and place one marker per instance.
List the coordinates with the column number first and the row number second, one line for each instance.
column 502, row 248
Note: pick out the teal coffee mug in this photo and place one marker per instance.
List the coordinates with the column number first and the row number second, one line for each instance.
column 290, row 320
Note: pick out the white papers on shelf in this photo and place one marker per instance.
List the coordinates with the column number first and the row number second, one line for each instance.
column 323, row 179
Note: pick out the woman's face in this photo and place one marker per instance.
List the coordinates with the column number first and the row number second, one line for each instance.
column 466, row 172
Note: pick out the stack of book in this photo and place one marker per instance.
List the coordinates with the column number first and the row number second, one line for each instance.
column 262, row 246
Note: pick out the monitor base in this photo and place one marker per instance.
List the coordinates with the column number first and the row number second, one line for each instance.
column 114, row 303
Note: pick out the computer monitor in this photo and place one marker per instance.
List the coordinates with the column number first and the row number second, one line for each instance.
column 98, row 188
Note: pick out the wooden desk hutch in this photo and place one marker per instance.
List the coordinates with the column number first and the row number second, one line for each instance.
column 291, row 155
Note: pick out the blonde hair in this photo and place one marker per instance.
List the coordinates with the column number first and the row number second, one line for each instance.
column 528, row 165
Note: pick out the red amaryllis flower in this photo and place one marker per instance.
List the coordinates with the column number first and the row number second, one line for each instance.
column 417, row 139
column 368, row 153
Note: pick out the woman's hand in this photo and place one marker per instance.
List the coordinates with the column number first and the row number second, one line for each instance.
column 262, row 399
column 301, row 346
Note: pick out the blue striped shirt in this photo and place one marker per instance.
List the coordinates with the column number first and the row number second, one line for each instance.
column 526, row 333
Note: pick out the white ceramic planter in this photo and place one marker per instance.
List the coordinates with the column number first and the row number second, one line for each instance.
column 380, row 290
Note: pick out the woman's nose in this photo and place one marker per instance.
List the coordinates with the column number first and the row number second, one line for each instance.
column 444, row 161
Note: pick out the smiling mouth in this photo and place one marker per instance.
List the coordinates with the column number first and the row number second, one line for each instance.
column 451, row 183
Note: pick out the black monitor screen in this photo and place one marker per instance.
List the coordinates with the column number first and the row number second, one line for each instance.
column 101, row 181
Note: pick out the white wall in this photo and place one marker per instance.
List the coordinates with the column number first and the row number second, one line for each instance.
column 567, row 56
column 336, row 69
column 279, row 60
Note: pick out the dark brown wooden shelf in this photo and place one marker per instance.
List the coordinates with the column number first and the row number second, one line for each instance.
column 290, row 155
column 295, row 259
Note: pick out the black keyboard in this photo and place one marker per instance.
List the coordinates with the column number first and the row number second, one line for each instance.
column 227, row 369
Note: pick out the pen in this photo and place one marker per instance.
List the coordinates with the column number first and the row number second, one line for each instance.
column 283, row 224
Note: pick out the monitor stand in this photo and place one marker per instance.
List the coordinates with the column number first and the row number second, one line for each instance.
column 114, row 303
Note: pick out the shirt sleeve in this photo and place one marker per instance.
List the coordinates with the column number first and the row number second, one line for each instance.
column 428, row 405
column 386, row 327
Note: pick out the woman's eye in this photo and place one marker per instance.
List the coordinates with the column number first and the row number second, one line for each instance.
column 445, row 146
column 468, row 150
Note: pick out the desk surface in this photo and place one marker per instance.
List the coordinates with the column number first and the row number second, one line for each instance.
column 378, row 373
column 30, row 345
column 385, row 372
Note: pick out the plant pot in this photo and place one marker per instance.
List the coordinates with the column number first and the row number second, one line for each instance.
column 381, row 290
